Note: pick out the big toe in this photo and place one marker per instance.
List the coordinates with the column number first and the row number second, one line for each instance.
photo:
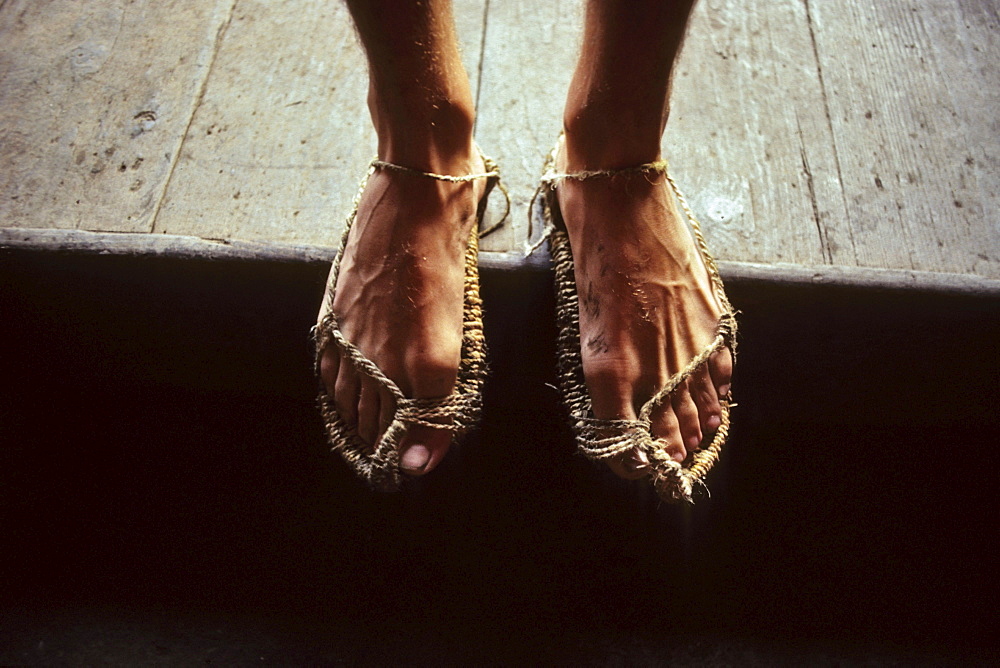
column 631, row 465
column 422, row 449
column 610, row 392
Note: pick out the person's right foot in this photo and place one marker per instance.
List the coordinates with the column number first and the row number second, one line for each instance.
column 399, row 299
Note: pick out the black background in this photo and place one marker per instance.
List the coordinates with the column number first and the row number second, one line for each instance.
column 161, row 458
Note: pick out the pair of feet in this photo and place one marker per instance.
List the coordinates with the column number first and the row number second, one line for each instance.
column 646, row 303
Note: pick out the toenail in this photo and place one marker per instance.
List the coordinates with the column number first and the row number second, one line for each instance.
column 724, row 391
column 679, row 456
column 415, row 458
column 713, row 422
column 635, row 463
column 693, row 443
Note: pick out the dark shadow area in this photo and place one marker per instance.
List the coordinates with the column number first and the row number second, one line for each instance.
column 166, row 494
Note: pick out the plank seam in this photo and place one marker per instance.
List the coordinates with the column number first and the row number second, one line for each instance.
column 824, row 239
column 482, row 59
column 118, row 33
column 829, row 122
column 202, row 89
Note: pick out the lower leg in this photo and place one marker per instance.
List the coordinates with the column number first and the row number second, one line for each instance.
column 617, row 105
column 419, row 95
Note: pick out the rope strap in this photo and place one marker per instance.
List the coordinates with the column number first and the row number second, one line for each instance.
column 382, row 164
column 657, row 167
column 493, row 172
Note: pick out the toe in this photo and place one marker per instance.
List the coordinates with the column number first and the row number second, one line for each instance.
column 422, row 448
column 720, row 367
column 329, row 364
column 706, row 399
column 666, row 429
column 687, row 416
column 346, row 393
column 387, row 409
column 610, row 394
column 369, row 403
column 414, row 457
column 631, row 465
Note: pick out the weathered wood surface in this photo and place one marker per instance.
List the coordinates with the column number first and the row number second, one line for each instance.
column 914, row 115
column 95, row 98
column 530, row 49
column 281, row 138
column 860, row 134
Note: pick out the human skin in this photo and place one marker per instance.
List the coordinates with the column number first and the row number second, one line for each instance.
column 647, row 306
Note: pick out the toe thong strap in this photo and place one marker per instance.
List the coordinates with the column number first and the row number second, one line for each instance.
column 606, row 439
column 720, row 342
column 455, row 412
column 359, row 361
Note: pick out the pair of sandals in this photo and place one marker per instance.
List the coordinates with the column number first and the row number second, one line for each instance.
column 459, row 412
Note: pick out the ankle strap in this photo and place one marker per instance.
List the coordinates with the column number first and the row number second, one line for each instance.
column 493, row 173
column 382, row 164
column 657, row 167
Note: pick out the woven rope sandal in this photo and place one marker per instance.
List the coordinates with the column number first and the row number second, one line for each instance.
column 601, row 440
column 459, row 411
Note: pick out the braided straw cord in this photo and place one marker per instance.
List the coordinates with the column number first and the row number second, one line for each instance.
column 605, row 439
column 458, row 412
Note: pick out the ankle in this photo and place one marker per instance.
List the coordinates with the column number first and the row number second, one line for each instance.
column 610, row 139
column 430, row 137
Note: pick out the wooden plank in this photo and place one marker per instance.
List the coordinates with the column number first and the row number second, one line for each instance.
column 969, row 40
column 762, row 91
column 911, row 93
column 750, row 162
column 279, row 142
column 745, row 138
column 531, row 48
column 94, row 101
column 797, row 140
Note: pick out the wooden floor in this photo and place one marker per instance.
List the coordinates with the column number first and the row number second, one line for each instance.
column 817, row 139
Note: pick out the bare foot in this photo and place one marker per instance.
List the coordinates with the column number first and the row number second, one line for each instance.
column 646, row 306
column 399, row 299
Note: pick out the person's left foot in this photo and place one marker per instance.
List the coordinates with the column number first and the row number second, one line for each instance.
column 647, row 307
